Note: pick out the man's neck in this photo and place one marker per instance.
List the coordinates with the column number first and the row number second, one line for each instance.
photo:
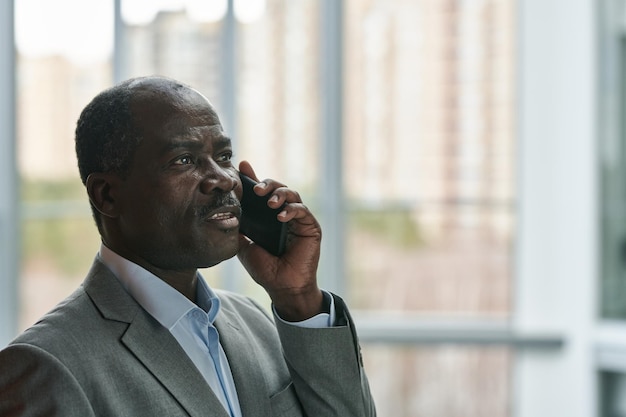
column 185, row 281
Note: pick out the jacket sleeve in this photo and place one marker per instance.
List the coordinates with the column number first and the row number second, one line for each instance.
column 327, row 368
column 35, row 383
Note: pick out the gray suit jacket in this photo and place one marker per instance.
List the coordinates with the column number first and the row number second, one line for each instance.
column 98, row 353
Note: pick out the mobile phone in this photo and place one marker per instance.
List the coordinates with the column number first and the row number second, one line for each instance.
column 258, row 220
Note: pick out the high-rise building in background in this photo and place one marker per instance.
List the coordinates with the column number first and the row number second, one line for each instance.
column 429, row 108
column 174, row 46
column 51, row 93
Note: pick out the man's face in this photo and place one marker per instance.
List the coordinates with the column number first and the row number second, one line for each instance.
column 179, row 207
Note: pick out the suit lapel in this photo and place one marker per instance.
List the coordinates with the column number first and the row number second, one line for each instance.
column 153, row 345
column 247, row 373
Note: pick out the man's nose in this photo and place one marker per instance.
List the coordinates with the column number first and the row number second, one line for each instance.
column 218, row 178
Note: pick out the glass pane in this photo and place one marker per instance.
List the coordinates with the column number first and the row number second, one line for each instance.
column 614, row 209
column 612, row 394
column 429, row 155
column 278, row 91
column 56, row 253
column 57, row 74
column 429, row 163
column 439, row 381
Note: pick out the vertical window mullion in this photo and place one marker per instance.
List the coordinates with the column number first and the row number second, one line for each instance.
column 330, row 194
column 9, row 239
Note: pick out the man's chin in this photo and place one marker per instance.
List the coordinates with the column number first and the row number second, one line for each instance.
column 216, row 259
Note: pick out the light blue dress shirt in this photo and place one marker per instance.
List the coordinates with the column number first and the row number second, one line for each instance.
column 191, row 324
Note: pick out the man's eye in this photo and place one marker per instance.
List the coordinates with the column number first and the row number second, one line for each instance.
column 184, row 160
column 225, row 157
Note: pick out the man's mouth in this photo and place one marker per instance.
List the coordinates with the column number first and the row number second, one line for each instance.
column 221, row 216
column 224, row 218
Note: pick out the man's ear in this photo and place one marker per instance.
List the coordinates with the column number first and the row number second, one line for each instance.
column 102, row 189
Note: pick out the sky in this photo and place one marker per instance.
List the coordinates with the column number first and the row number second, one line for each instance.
column 82, row 30
column 78, row 29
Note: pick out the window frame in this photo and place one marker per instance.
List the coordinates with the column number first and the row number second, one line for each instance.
column 9, row 219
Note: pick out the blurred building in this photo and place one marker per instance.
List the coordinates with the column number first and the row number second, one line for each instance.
column 52, row 92
column 433, row 78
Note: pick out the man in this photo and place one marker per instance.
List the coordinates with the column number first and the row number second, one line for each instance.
column 144, row 335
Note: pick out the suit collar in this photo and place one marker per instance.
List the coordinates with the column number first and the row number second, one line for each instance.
column 108, row 294
column 152, row 344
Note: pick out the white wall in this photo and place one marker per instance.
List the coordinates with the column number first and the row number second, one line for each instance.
column 556, row 251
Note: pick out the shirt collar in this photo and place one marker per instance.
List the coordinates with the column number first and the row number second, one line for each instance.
column 157, row 297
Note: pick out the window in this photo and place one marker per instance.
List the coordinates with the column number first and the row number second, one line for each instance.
column 610, row 362
column 57, row 74
column 419, row 205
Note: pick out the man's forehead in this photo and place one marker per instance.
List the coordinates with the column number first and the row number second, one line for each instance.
column 217, row 140
column 156, row 102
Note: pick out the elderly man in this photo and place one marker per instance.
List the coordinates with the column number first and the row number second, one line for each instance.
column 144, row 335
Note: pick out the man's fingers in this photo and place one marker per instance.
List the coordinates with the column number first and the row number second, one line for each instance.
column 294, row 211
column 246, row 169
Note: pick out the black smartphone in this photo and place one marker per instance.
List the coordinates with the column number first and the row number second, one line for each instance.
column 258, row 220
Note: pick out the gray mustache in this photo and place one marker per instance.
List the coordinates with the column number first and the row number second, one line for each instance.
column 221, row 201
